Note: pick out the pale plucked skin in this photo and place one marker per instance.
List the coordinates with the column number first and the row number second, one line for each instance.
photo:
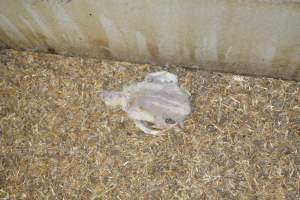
column 161, row 77
column 157, row 100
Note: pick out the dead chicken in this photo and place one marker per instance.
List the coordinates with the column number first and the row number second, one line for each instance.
column 156, row 104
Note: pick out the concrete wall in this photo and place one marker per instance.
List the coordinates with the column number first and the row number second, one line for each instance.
column 243, row 36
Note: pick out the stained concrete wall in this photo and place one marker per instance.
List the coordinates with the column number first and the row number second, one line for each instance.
column 243, row 36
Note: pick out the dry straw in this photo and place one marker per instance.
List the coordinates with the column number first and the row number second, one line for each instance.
column 59, row 141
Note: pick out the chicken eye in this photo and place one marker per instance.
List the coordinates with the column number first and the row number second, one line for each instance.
column 169, row 121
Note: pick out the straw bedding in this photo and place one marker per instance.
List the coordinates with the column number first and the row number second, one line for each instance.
column 59, row 141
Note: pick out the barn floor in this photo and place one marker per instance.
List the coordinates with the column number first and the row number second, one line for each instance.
column 59, row 141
